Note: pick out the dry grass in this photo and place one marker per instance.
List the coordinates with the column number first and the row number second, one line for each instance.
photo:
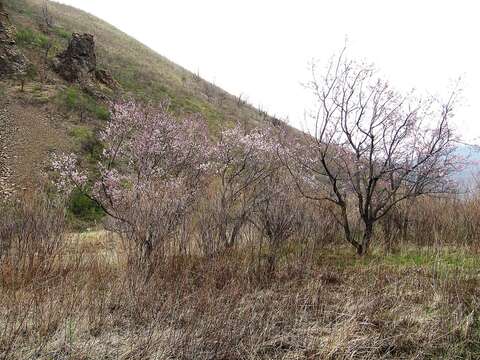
column 215, row 310
column 321, row 304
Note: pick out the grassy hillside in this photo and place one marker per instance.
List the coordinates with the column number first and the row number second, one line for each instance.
column 139, row 69
column 50, row 114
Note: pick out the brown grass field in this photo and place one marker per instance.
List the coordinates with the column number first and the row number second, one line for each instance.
column 77, row 296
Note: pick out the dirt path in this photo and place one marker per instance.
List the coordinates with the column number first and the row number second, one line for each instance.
column 28, row 132
column 6, row 132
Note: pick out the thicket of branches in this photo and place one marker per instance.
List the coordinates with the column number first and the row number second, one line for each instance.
column 372, row 150
column 230, row 246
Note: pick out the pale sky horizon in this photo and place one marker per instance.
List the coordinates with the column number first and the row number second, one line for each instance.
column 262, row 49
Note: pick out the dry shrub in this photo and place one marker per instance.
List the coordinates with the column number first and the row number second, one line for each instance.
column 321, row 302
column 427, row 221
column 195, row 307
column 32, row 233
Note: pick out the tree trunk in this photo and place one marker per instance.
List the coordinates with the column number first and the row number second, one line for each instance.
column 222, row 231
column 362, row 248
column 234, row 234
column 146, row 251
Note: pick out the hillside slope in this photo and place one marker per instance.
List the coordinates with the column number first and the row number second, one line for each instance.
column 51, row 113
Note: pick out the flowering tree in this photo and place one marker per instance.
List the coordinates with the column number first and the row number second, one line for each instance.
column 279, row 213
column 150, row 171
column 371, row 147
column 243, row 160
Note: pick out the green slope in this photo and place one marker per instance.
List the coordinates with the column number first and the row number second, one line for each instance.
column 141, row 72
column 53, row 115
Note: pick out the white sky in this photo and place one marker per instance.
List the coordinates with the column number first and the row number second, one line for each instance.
column 262, row 48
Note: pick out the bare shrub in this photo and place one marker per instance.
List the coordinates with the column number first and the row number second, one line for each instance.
column 32, row 233
column 323, row 304
column 278, row 214
column 207, row 228
column 243, row 161
column 444, row 221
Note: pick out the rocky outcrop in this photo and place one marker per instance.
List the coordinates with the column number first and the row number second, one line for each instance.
column 12, row 60
column 78, row 63
column 104, row 77
column 79, row 60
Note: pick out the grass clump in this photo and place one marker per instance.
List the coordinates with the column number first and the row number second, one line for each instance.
column 84, row 210
column 86, row 142
column 75, row 100
column 62, row 33
column 29, row 37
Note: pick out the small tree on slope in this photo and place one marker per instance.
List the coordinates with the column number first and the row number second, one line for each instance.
column 148, row 176
column 244, row 161
column 371, row 147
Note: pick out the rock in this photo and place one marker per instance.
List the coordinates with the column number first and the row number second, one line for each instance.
column 78, row 63
column 79, row 60
column 12, row 60
column 104, row 77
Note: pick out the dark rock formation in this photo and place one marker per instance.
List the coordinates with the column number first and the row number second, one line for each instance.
column 79, row 59
column 104, row 77
column 78, row 63
column 11, row 60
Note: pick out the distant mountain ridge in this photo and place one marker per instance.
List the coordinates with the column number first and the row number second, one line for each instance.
column 469, row 175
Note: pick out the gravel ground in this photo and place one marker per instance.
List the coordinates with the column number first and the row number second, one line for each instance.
column 7, row 133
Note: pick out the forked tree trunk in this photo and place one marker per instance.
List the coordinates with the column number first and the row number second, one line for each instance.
column 360, row 246
column 363, row 247
column 235, row 231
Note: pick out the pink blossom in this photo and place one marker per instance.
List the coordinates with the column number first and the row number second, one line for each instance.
column 66, row 165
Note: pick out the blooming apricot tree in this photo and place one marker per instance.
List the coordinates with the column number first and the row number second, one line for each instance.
column 242, row 160
column 372, row 147
column 149, row 173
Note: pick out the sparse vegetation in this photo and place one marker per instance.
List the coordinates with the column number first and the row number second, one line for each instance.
column 140, row 71
column 219, row 232
column 29, row 37
column 322, row 302
column 75, row 100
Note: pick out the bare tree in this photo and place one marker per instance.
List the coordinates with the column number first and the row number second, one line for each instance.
column 278, row 214
column 372, row 147
column 46, row 16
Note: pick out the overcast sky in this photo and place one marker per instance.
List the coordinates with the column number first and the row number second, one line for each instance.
column 262, row 48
